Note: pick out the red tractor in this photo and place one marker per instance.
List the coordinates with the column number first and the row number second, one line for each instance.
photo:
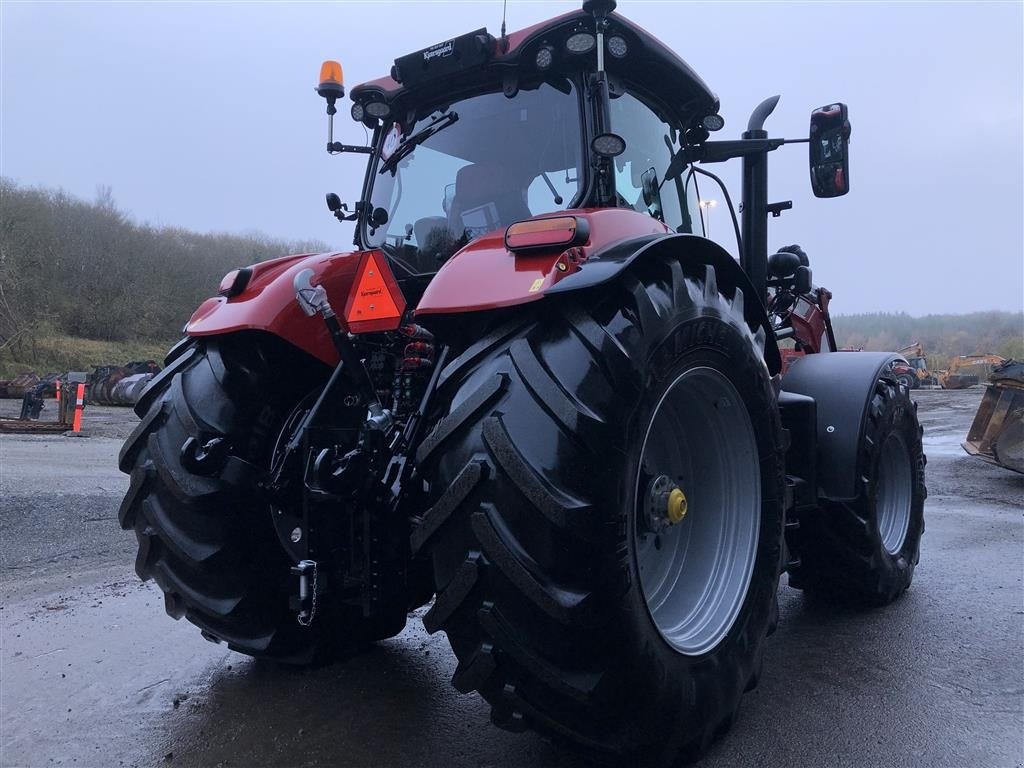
column 536, row 395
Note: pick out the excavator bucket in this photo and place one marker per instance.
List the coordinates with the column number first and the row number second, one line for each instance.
column 997, row 434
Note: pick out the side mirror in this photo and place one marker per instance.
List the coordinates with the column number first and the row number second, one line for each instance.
column 829, row 151
column 652, row 193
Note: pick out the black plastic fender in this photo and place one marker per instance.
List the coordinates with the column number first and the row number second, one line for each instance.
column 841, row 384
column 691, row 249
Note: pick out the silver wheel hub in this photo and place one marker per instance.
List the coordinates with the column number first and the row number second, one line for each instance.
column 698, row 510
column 893, row 493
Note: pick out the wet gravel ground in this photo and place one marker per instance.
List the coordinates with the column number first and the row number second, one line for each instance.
column 93, row 673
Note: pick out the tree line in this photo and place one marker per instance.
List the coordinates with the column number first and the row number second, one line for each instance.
column 86, row 269
column 70, row 267
column 943, row 336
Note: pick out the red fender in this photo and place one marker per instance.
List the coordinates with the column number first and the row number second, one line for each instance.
column 486, row 275
column 268, row 302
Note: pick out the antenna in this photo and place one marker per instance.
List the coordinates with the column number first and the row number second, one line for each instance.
column 504, row 42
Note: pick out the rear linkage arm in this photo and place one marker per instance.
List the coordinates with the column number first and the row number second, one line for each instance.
column 371, row 476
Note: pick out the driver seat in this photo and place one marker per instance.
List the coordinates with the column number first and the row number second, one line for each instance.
column 486, row 198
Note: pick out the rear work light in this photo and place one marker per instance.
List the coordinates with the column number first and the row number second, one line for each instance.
column 558, row 231
column 234, row 282
column 581, row 42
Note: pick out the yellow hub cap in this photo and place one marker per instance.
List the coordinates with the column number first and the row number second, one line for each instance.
column 676, row 507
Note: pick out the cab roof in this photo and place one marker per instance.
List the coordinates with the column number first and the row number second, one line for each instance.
column 649, row 64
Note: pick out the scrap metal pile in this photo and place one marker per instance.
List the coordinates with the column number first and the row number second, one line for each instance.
column 105, row 385
column 119, row 384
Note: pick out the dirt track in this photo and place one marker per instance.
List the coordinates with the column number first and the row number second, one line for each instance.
column 94, row 673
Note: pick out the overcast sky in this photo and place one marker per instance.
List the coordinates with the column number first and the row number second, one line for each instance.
column 203, row 115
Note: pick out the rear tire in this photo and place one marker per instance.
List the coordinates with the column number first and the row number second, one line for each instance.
column 535, row 469
column 204, row 529
column 865, row 551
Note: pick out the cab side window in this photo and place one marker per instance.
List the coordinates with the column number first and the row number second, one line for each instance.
column 640, row 170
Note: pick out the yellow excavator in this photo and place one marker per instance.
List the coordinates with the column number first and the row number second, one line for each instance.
column 997, row 434
column 967, row 370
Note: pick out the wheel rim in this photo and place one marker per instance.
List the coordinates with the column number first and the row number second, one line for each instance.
column 695, row 573
column 893, row 493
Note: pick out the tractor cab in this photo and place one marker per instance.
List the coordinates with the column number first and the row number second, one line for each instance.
column 476, row 133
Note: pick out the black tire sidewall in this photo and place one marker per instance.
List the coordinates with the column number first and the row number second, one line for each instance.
column 897, row 417
column 697, row 681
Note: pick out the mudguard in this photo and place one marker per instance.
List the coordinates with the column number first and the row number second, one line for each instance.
column 841, row 384
column 691, row 249
column 486, row 275
column 268, row 302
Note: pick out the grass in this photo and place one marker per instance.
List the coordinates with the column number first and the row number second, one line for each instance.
column 59, row 353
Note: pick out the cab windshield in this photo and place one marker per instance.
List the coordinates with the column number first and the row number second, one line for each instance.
column 503, row 160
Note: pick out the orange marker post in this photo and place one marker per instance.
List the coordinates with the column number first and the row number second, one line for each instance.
column 79, row 404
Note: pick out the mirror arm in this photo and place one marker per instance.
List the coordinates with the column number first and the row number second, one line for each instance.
column 720, row 151
column 336, row 147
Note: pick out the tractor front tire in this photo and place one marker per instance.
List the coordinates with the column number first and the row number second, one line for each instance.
column 864, row 552
column 571, row 604
column 204, row 529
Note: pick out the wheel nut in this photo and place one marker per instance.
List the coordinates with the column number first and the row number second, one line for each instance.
column 666, row 504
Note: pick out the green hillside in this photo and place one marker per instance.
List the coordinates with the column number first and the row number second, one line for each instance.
column 81, row 283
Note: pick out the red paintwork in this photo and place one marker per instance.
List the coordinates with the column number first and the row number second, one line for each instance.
column 789, row 356
column 808, row 322
column 485, row 275
column 809, row 325
column 268, row 302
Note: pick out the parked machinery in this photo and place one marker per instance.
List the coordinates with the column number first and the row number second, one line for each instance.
column 997, row 434
column 967, row 370
column 915, row 372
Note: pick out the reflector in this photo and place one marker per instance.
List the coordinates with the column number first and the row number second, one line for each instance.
column 234, row 282
column 376, row 302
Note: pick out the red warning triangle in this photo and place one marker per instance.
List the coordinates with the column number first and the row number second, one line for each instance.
column 372, row 304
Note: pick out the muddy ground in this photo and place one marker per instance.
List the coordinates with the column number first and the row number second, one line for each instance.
column 93, row 673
